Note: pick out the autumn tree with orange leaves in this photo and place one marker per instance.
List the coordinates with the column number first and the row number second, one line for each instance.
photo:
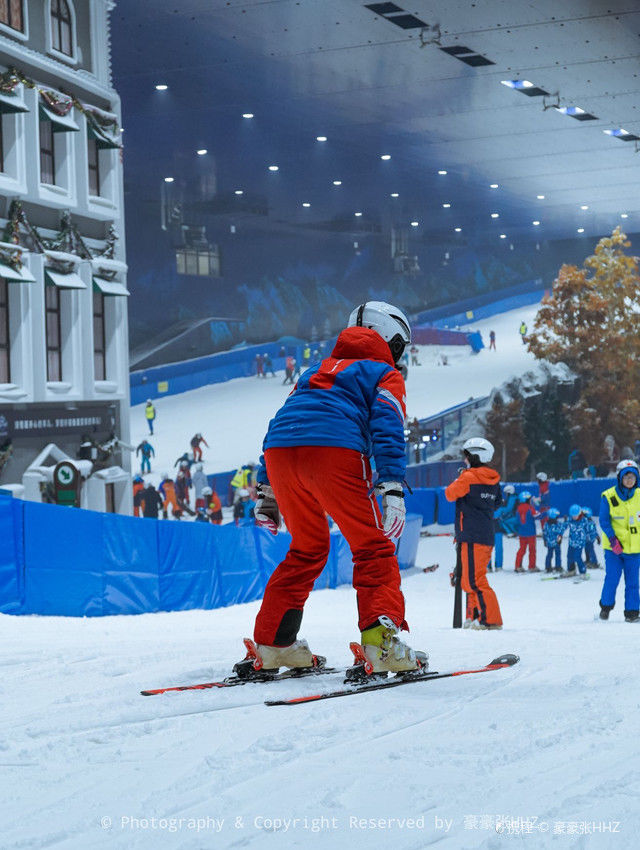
column 591, row 322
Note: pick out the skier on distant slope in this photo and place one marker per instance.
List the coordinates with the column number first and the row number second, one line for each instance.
column 316, row 459
column 476, row 492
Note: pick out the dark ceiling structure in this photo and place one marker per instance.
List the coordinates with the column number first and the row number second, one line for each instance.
column 481, row 116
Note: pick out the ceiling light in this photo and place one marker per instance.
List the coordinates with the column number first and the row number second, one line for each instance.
column 581, row 230
column 321, row 138
column 358, row 214
column 273, row 168
column 570, row 110
column 540, row 197
column 517, row 84
column 239, row 192
column 247, row 114
column 395, row 195
column 624, row 215
column 337, row 182
column 306, row 204
column 584, row 207
column 617, row 132
column 415, row 223
column 168, row 179
column 536, row 223
column 385, row 156
column 446, row 206
column 457, row 229
column 161, row 87
column 201, row 152
column 525, row 87
column 442, row 171
column 495, row 215
column 493, row 186
column 503, row 236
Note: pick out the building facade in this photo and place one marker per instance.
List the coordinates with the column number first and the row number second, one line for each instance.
column 63, row 295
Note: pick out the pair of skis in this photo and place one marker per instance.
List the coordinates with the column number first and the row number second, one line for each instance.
column 348, row 689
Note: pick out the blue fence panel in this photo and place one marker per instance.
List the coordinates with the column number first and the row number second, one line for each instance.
column 130, row 564
column 189, row 568
column 64, row 571
column 11, row 561
column 241, row 579
column 446, row 510
column 502, row 299
column 422, row 502
column 408, row 545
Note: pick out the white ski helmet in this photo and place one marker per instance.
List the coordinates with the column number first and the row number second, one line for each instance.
column 243, row 493
column 389, row 321
column 627, row 466
column 542, row 476
column 479, row 447
column 207, row 491
column 509, row 488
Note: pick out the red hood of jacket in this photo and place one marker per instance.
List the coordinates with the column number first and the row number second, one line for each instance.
column 362, row 344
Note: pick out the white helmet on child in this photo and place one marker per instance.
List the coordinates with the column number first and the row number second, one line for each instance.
column 242, row 493
column 389, row 321
column 542, row 476
column 479, row 447
column 509, row 488
column 207, row 491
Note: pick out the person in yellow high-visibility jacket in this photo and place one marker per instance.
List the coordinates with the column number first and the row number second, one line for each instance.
column 620, row 523
column 244, row 479
column 150, row 414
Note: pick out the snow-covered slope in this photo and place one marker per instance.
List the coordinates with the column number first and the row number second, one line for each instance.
column 233, row 416
column 88, row 763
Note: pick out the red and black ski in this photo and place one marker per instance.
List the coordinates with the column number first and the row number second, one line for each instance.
column 412, row 678
column 234, row 681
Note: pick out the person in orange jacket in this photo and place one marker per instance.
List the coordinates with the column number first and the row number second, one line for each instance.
column 213, row 505
column 167, row 490
column 476, row 492
column 138, row 485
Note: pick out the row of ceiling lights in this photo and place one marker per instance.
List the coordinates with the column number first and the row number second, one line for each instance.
column 517, row 84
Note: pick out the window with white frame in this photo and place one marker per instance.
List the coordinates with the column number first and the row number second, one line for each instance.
column 12, row 14
column 53, row 333
column 99, row 337
column 62, row 27
column 47, row 153
column 5, row 339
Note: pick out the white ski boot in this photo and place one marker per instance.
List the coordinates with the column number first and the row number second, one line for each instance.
column 382, row 652
column 263, row 662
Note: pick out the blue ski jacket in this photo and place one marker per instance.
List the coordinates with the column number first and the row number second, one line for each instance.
column 551, row 530
column 577, row 532
column 354, row 399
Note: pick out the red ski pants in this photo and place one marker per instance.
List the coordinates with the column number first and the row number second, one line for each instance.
column 310, row 482
column 475, row 558
column 525, row 542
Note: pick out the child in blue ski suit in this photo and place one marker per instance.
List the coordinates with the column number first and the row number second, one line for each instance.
column 497, row 540
column 592, row 537
column 508, row 518
column 577, row 538
column 552, row 532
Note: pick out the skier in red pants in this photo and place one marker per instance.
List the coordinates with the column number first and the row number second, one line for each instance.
column 526, row 516
column 316, row 460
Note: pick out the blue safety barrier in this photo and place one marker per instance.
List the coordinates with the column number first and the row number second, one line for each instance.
column 61, row 561
column 483, row 306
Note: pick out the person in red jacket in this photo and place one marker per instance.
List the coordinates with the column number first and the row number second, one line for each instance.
column 476, row 492
column 317, row 451
column 526, row 516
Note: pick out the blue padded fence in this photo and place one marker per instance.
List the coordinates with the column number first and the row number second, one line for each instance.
column 483, row 306
column 62, row 561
